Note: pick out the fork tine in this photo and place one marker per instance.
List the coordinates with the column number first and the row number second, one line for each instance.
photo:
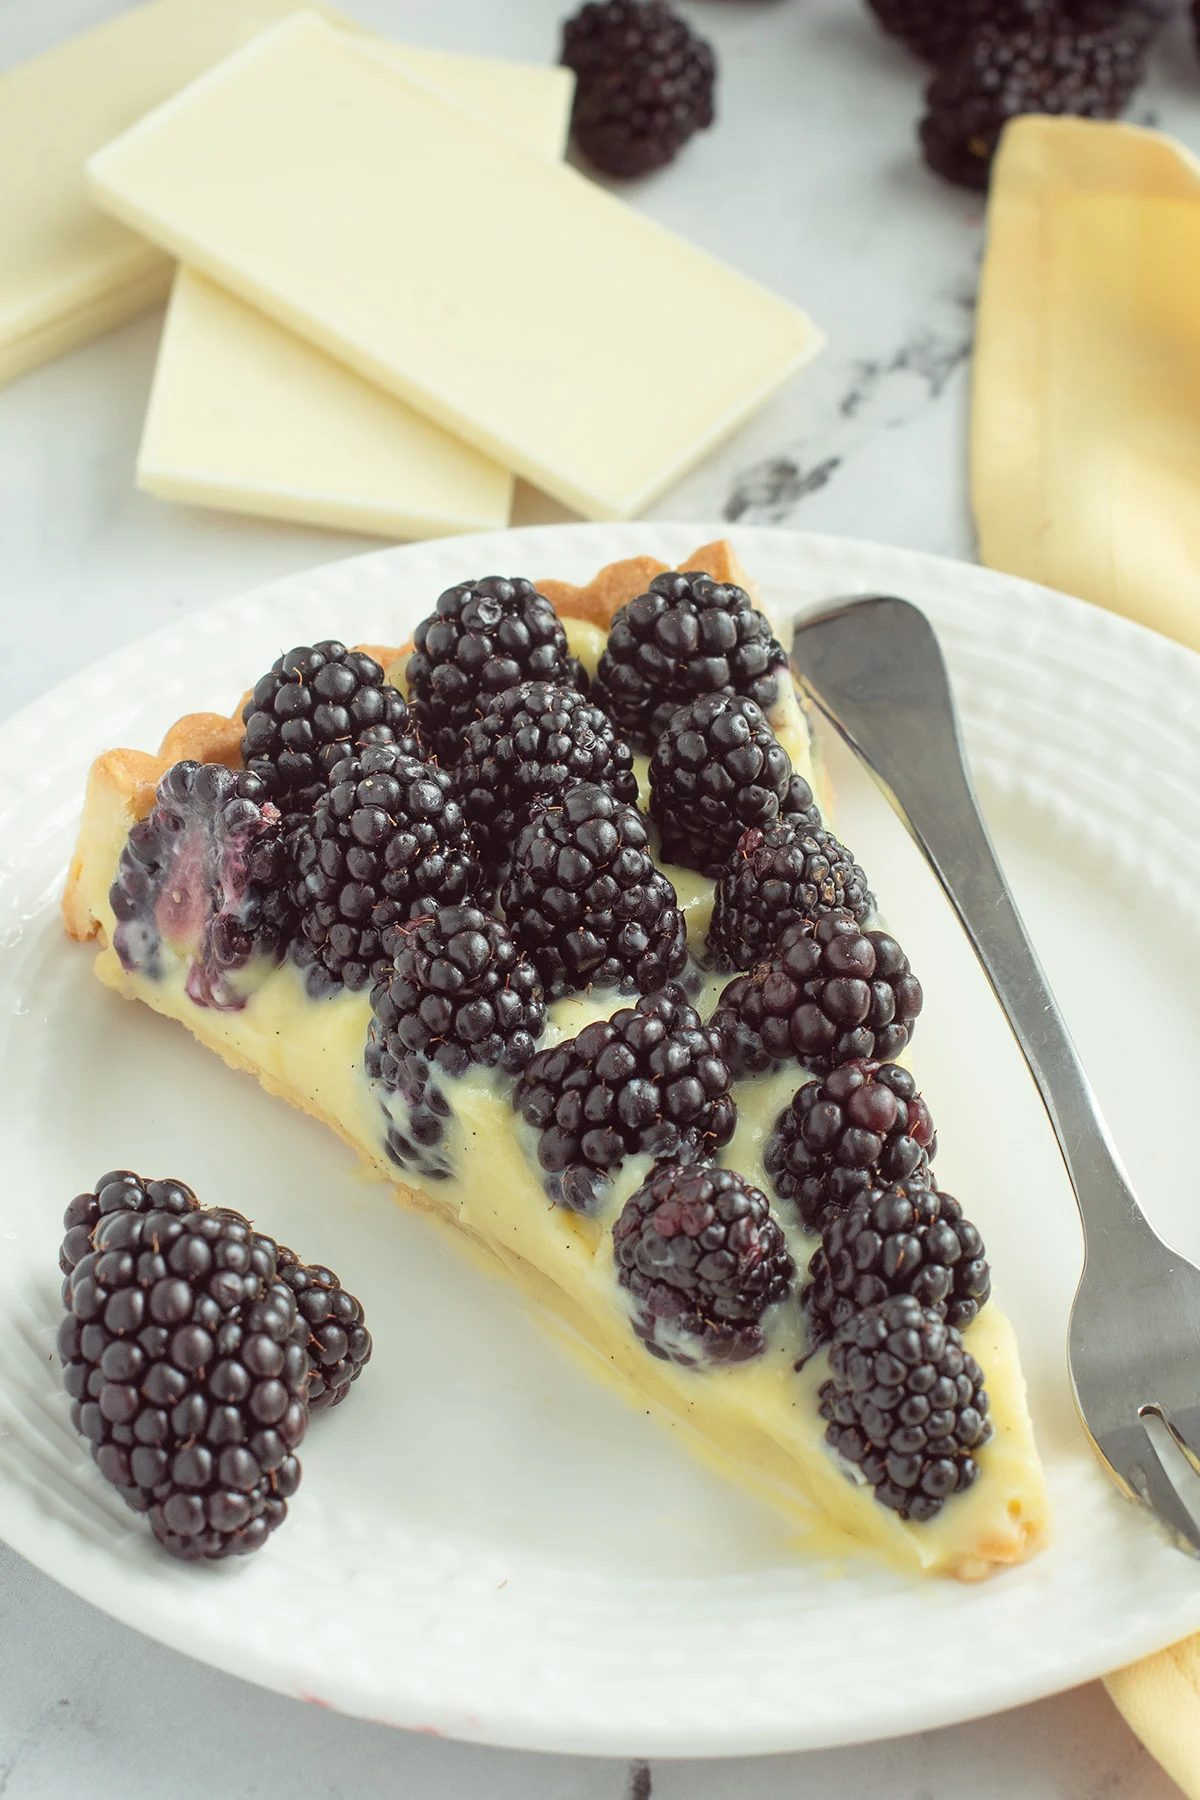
column 1144, row 1471
column 1185, row 1426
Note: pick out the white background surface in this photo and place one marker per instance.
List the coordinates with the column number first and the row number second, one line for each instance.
column 809, row 183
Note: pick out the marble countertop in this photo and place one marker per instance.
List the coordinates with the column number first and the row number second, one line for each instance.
column 810, row 182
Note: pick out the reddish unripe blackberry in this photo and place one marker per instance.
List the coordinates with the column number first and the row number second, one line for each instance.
column 205, row 875
column 531, row 743
column 906, row 1405
column 687, row 635
column 483, row 637
column 861, row 1127
column 703, row 1257
column 650, row 1080
column 643, row 84
column 585, row 901
column 717, row 770
column 315, row 705
column 908, row 1238
column 833, row 994
column 790, row 871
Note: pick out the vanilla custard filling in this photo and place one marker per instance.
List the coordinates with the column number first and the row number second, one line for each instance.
column 756, row 1421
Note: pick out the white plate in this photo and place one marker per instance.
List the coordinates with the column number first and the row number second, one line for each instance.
column 486, row 1544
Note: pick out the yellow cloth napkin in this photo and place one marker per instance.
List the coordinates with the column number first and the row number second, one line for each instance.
column 1085, row 453
column 1086, row 415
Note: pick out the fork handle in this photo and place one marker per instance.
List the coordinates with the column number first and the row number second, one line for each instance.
column 936, row 801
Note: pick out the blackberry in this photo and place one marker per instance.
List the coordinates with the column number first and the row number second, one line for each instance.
column 833, row 994
column 459, row 993
column 585, row 901
column 906, row 1405
column 184, row 1358
column 386, row 842
column 313, row 707
column 649, row 1081
column 994, row 77
column 937, row 31
column 687, row 635
column 908, row 1238
column 704, row 1257
column 484, row 637
column 204, row 874
column 338, row 1342
column 792, row 870
column 717, row 771
column 530, row 742
column 643, row 84
column 798, row 803
column 864, row 1126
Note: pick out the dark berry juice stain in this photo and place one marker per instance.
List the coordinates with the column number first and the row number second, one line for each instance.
column 640, row 1787
column 772, row 488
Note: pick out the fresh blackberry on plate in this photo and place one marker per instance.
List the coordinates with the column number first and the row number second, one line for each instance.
column 906, row 1405
column 485, row 636
column 184, row 1358
column 651, row 1080
column 459, row 993
column 833, row 994
column 996, row 76
column 338, row 1342
column 703, row 1256
column 205, row 875
column 687, row 635
column 386, row 842
column 532, row 741
column 313, row 707
column 791, row 870
column 908, row 1238
column 585, row 901
column 643, row 84
column 863, row 1126
column 717, row 771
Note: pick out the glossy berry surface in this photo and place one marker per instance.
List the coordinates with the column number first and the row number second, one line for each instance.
column 585, row 901
column 338, row 1342
column 905, row 1405
column 649, row 1080
column 483, row 637
column 717, row 771
column 315, row 705
column 687, row 635
column 703, row 1258
column 792, row 870
column 862, row 1126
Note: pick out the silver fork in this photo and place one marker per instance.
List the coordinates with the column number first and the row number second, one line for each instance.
column 1133, row 1347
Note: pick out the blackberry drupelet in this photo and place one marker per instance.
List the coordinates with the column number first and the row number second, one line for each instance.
column 704, row 1257
column 205, row 874
column 459, row 993
column 994, row 77
column 864, row 1126
column 649, row 1081
column 792, row 870
column 644, row 84
column 904, row 1239
column 906, row 1405
column 313, row 707
column 386, row 842
column 338, row 1342
column 485, row 636
column 585, row 901
column 184, row 1358
column 833, row 994
column 533, row 740
column 717, row 771
column 687, row 635
column 798, row 803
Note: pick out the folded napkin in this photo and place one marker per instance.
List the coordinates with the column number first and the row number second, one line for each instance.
column 1086, row 416
column 1085, row 454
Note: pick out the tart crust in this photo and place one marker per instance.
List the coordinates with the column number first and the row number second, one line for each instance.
column 121, row 790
